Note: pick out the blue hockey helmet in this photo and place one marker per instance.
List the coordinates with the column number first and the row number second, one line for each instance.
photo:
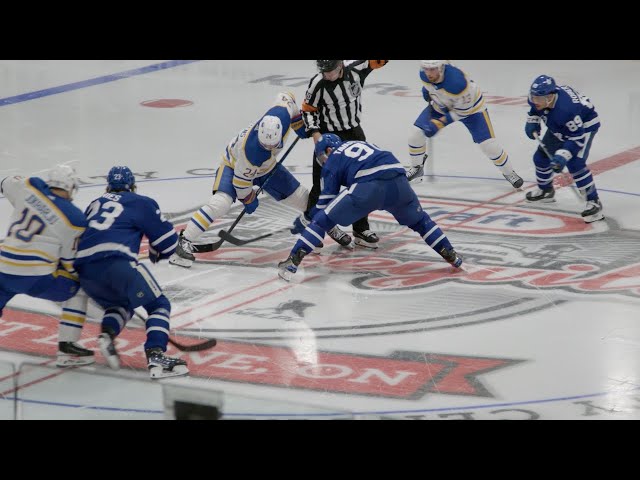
column 121, row 178
column 542, row 86
column 328, row 140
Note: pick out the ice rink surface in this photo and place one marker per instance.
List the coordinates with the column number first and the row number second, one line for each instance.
column 542, row 324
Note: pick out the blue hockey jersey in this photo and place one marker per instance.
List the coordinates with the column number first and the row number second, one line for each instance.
column 570, row 119
column 355, row 162
column 117, row 222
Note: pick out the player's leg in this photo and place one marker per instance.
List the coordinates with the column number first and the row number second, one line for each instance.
column 363, row 236
column 350, row 204
column 544, row 193
column 583, row 179
column 218, row 205
column 72, row 320
column 481, row 129
column 418, row 147
column 407, row 211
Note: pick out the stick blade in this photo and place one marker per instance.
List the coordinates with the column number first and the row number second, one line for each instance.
column 195, row 347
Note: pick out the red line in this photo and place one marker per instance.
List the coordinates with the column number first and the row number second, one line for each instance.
column 34, row 382
column 7, row 377
column 268, row 294
column 182, row 312
column 604, row 165
column 600, row 166
column 597, row 167
column 286, row 287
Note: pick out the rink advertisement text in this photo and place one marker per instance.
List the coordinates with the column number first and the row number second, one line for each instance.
column 401, row 374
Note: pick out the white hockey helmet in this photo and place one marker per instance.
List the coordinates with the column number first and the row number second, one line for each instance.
column 270, row 132
column 439, row 64
column 63, row 177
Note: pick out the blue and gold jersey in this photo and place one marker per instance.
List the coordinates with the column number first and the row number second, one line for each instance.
column 456, row 93
column 43, row 232
column 248, row 158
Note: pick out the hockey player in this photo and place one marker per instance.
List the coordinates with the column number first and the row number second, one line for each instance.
column 37, row 256
column 107, row 262
column 247, row 160
column 333, row 104
column 452, row 96
column 375, row 180
column 572, row 123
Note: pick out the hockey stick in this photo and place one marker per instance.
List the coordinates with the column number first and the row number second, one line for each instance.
column 210, row 247
column 550, row 157
column 196, row 347
column 238, row 242
column 429, row 170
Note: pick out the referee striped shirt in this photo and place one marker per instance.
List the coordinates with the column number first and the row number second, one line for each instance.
column 336, row 106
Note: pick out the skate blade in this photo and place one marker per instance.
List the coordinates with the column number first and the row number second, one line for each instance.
column 285, row 274
column 544, row 200
column 180, row 262
column 158, row 372
column 363, row 244
column 593, row 218
column 113, row 362
column 67, row 361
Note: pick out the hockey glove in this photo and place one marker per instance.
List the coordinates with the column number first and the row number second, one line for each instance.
column 560, row 159
column 425, row 95
column 154, row 255
column 377, row 63
column 436, row 124
column 297, row 124
column 250, row 202
column 532, row 126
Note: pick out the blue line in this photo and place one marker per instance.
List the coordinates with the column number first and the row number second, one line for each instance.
column 527, row 181
column 94, row 81
column 88, row 407
column 340, row 414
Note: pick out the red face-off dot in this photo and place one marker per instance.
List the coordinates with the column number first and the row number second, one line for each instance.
column 166, row 103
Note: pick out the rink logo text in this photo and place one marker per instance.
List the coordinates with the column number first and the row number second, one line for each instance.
column 381, row 88
column 401, row 374
column 514, row 256
column 527, row 248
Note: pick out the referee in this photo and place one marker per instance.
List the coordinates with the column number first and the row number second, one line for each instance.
column 333, row 104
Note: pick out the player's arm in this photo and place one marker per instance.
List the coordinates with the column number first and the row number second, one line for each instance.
column 11, row 187
column 533, row 124
column 75, row 225
column 375, row 64
column 574, row 142
column 311, row 108
column 365, row 67
column 330, row 185
column 294, row 114
column 163, row 239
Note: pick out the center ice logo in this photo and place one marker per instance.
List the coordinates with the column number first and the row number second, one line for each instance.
column 516, row 254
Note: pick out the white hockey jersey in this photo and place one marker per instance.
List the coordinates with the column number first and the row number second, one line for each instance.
column 456, row 93
column 248, row 158
column 44, row 230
